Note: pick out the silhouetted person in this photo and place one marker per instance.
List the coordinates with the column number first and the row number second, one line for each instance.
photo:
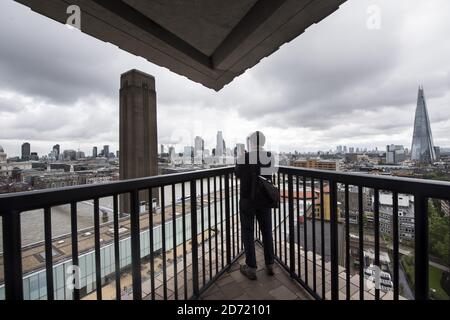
column 252, row 164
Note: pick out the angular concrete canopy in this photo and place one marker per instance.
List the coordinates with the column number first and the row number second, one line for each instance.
column 208, row 41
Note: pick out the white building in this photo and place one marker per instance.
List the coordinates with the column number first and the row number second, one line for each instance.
column 405, row 214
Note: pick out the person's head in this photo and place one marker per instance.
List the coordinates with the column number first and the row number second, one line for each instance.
column 256, row 140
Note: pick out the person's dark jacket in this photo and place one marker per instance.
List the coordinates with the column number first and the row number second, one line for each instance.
column 247, row 171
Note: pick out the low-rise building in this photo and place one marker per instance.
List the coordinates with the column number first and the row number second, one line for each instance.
column 316, row 164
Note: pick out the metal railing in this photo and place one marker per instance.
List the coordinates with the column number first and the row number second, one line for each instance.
column 292, row 252
column 216, row 243
column 212, row 198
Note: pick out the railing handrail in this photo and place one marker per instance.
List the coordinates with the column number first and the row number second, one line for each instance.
column 30, row 200
column 424, row 187
column 37, row 199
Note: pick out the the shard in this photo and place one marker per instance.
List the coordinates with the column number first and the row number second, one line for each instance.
column 422, row 150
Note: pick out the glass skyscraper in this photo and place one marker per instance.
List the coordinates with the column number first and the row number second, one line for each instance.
column 422, row 149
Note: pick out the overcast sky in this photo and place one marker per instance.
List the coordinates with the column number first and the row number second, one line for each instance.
column 339, row 83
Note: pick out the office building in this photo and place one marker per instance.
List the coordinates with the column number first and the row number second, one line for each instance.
column 395, row 154
column 94, row 152
column 26, row 151
column 106, row 151
column 56, row 150
column 220, row 145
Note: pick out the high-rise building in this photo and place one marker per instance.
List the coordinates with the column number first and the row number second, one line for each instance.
column 56, row 150
column 395, row 154
column 138, row 131
column 220, row 145
column 199, row 147
column 422, row 150
column 171, row 153
column 26, row 151
column 162, row 149
column 94, row 152
column 106, row 151
column 188, row 154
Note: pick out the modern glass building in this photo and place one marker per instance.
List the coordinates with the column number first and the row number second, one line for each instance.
column 422, row 149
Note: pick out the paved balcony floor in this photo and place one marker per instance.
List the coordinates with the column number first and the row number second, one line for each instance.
column 234, row 286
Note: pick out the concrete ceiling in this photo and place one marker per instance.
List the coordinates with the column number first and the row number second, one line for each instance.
column 208, row 41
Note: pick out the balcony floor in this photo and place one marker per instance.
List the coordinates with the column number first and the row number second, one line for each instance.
column 234, row 286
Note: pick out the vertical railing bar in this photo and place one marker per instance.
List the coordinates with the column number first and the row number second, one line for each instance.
column 376, row 217
column 227, row 219
column 135, row 246
column 291, row 226
column 279, row 221
column 334, row 242
column 152, row 249
column 313, row 213
column 74, row 240
column 209, row 227
column 116, row 246
column 12, row 255
column 194, row 238
column 305, row 231
column 421, row 246
column 284, row 220
column 183, row 204
column 98, row 268
column 175, row 247
column 202, row 210
column 163, row 241
column 232, row 216
column 48, row 252
column 221, row 222
column 347, row 242
column 322, row 235
column 274, row 212
column 395, row 243
column 216, row 245
column 299, row 262
column 361, row 242
column 238, row 225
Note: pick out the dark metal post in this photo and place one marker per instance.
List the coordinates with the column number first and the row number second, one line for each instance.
column 334, row 242
column 395, row 243
column 74, row 236
column 194, row 238
column 421, row 246
column 135, row 246
column 12, row 256
column 48, row 252
column 227, row 219
column 291, row 226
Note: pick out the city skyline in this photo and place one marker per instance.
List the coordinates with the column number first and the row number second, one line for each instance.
column 284, row 98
